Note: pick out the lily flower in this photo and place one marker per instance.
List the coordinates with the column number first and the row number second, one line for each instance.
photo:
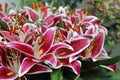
column 38, row 53
column 10, row 64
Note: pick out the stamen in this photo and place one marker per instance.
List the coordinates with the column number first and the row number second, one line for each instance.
column 19, row 78
column 62, row 53
column 6, row 7
column 10, row 73
column 40, row 52
column 0, row 7
column 15, row 58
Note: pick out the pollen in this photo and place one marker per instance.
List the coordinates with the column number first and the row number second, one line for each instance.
column 10, row 73
column 88, row 51
column 5, row 7
column 40, row 52
column 63, row 53
column 15, row 58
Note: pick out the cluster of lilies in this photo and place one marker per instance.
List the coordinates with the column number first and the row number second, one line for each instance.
column 35, row 41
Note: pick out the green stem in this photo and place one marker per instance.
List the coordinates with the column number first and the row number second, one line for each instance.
column 77, row 77
column 57, row 75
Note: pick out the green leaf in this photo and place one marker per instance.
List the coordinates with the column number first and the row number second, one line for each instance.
column 101, row 74
column 87, row 65
column 61, row 24
column 57, row 75
column 109, row 61
column 42, row 76
column 3, row 25
column 115, row 75
column 19, row 5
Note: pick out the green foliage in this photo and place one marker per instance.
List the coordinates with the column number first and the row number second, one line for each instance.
column 44, row 76
column 57, row 75
column 57, row 3
column 3, row 25
column 101, row 74
column 97, row 73
column 19, row 5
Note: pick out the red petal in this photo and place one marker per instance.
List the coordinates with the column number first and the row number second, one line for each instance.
column 49, row 59
column 72, row 58
column 75, row 65
column 2, row 44
column 26, row 27
column 3, row 57
column 10, row 36
column 6, row 73
column 57, row 19
column 104, row 52
column 38, row 68
column 111, row 67
column 7, row 20
column 43, row 28
column 47, row 40
column 92, row 19
column 26, row 65
column 68, row 23
column 22, row 47
column 98, row 44
column 32, row 14
column 63, row 53
column 49, row 20
column 80, row 12
column 80, row 44
column 59, row 64
column 60, row 45
column 1, row 15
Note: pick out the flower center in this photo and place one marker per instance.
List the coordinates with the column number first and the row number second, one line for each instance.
column 15, row 60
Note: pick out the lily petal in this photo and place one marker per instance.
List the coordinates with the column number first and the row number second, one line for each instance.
column 26, row 27
column 47, row 40
column 7, row 20
column 1, row 15
column 80, row 44
column 99, row 42
column 3, row 57
column 59, row 65
column 2, row 44
column 6, row 73
column 10, row 36
column 26, row 65
column 49, row 59
column 92, row 19
column 68, row 23
column 110, row 67
column 39, row 68
column 49, row 20
column 73, row 58
column 60, row 45
column 22, row 47
column 32, row 14
column 63, row 53
column 75, row 66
